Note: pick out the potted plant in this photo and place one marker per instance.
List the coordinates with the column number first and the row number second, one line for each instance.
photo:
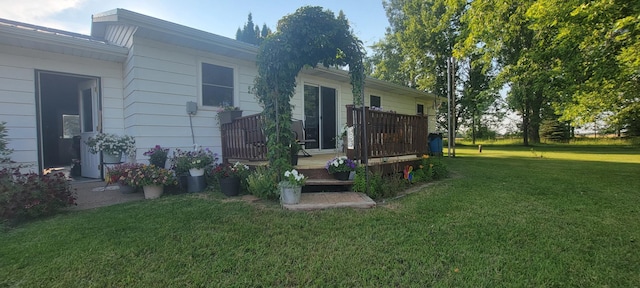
column 340, row 167
column 190, row 167
column 229, row 176
column 112, row 146
column 226, row 113
column 119, row 173
column 157, row 156
column 199, row 159
column 291, row 187
column 151, row 178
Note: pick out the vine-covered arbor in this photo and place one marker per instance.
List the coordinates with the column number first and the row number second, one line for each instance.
column 308, row 37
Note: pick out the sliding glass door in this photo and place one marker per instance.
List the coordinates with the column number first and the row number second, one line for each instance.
column 320, row 116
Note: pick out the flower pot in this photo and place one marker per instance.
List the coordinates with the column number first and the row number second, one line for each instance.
column 152, row 191
column 110, row 158
column 289, row 194
column 226, row 117
column 294, row 159
column 126, row 189
column 196, row 184
column 196, row 172
column 343, row 175
column 230, row 186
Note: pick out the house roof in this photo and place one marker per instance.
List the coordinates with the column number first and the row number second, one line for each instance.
column 58, row 41
column 169, row 32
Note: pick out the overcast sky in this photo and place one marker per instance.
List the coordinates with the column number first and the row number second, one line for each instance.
column 367, row 17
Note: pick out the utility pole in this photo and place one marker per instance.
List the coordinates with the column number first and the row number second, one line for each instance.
column 451, row 76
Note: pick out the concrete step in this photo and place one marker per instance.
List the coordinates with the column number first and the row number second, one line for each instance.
column 314, row 201
column 328, row 182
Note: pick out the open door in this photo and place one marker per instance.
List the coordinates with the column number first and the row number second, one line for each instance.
column 89, row 127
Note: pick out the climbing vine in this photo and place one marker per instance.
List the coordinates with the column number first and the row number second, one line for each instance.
column 308, row 37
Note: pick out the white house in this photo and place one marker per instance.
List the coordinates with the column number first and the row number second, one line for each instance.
column 135, row 74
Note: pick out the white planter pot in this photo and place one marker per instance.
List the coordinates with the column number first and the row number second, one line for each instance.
column 153, row 191
column 196, row 172
column 290, row 194
column 109, row 158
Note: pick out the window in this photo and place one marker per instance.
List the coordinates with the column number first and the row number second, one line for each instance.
column 375, row 101
column 70, row 126
column 420, row 109
column 217, row 85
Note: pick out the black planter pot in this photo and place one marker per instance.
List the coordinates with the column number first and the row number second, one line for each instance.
column 342, row 175
column 230, row 186
column 294, row 159
column 196, row 184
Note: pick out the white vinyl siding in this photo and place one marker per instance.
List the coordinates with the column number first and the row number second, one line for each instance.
column 17, row 93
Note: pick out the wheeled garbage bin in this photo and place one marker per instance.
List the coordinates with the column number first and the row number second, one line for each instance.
column 435, row 144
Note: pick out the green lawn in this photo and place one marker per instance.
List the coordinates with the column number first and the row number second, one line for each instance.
column 510, row 216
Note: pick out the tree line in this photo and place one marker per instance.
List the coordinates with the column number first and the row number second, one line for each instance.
column 562, row 62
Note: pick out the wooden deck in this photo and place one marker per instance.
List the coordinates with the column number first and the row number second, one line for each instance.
column 320, row 180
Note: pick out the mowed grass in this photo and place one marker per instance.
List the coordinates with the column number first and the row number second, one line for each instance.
column 506, row 217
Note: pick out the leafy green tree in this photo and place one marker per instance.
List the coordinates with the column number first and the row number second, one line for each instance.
column 251, row 33
column 597, row 44
column 308, row 37
column 416, row 49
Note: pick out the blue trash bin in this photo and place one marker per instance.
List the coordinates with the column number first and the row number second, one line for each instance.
column 435, row 144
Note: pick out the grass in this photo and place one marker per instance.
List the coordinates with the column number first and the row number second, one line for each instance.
column 507, row 217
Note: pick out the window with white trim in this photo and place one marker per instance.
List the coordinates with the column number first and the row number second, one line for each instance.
column 217, row 85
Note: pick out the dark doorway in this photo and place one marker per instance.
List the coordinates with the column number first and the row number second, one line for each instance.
column 59, row 120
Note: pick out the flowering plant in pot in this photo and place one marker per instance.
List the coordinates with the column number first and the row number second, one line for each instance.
column 294, row 178
column 229, row 176
column 157, row 155
column 341, row 166
column 227, row 112
column 227, row 170
column 119, row 173
column 198, row 159
column 149, row 175
column 151, row 178
column 291, row 187
column 112, row 144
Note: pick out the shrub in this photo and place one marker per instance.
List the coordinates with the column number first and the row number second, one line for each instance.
column 30, row 195
column 376, row 184
column 5, row 152
column 263, row 183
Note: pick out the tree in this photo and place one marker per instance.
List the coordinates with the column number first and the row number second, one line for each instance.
column 308, row 37
column 597, row 44
column 415, row 51
column 251, row 33
column 501, row 32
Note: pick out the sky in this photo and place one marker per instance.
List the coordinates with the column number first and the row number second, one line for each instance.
column 366, row 17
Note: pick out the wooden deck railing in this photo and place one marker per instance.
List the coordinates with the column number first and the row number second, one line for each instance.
column 243, row 139
column 388, row 134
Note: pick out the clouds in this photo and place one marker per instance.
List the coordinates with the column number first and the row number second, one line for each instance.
column 33, row 11
column 49, row 13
